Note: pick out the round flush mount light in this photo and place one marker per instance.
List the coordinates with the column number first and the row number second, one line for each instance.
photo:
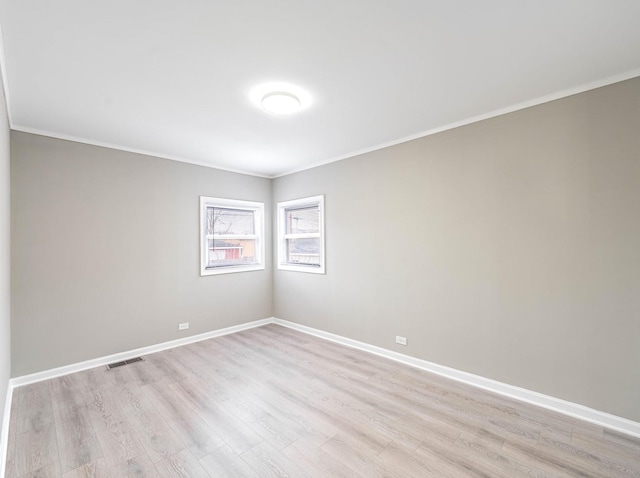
column 280, row 103
column 279, row 98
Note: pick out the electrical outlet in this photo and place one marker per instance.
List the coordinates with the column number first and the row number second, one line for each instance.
column 183, row 326
column 401, row 340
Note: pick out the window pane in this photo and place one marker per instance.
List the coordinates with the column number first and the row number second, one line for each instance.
column 231, row 252
column 303, row 220
column 304, row 251
column 230, row 221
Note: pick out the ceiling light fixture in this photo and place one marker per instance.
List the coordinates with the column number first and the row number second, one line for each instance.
column 280, row 103
column 280, row 99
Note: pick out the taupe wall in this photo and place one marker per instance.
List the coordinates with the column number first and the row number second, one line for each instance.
column 509, row 248
column 106, row 248
column 5, row 309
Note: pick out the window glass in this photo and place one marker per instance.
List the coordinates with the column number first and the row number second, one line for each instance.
column 233, row 236
column 301, row 235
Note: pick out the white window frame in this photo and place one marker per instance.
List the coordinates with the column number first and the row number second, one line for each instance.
column 257, row 208
column 282, row 236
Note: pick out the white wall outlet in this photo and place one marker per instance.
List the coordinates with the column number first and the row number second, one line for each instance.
column 183, row 326
column 401, row 340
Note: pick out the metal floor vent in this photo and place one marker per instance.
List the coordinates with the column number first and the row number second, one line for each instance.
column 124, row 362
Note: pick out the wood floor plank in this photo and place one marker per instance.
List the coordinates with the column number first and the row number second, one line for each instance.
column 182, row 464
column 213, row 356
column 35, row 450
column 236, row 434
column 76, row 439
column 183, row 419
column 34, row 408
column 360, row 459
column 357, row 414
column 96, row 469
column 539, row 463
column 482, row 454
column 316, row 462
column 625, row 457
column 274, row 431
column 99, row 378
column 116, row 437
column 269, row 462
column 451, row 461
column 226, row 463
column 628, row 441
column 139, row 467
column 346, row 421
column 251, row 407
column 173, row 365
column 272, row 401
column 582, row 462
column 51, row 470
column 149, row 427
column 36, row 445
column 399, row 458
column 310, row 419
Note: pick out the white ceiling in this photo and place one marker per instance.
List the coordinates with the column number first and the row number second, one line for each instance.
column 172, row 78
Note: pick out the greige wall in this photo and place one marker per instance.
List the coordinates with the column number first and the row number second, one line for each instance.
column 106, row 248
column 5, row 309
column 509, row 248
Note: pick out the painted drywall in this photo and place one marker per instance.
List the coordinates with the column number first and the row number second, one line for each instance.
column 5, row 298
column 105, row 245
column 508, row 248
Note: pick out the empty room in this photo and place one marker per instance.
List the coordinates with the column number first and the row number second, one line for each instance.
column 320, row 239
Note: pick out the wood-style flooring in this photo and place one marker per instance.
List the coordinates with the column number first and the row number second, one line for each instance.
column 273, row 402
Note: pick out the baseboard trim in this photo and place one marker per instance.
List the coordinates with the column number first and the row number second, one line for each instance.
column 565, row 407
column 4, row 435
column 117, row 357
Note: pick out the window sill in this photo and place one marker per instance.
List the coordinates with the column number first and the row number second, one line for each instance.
column 294, row 268
column 230, row 270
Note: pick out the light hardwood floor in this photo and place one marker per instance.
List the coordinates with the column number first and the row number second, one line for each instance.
column 273, row 402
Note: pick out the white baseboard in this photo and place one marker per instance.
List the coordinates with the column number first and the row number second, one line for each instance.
column 565, row 407
column 4, row 435
column 97, row 362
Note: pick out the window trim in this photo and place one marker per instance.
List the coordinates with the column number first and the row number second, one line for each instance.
column 282, row 207
column 258, row 209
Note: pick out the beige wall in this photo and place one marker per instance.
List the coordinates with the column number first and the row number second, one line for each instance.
column 509, row 248
column 5, row 309
column 106, row 245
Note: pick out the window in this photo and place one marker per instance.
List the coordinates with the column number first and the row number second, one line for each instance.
column 231, row 236
column 301, row 235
